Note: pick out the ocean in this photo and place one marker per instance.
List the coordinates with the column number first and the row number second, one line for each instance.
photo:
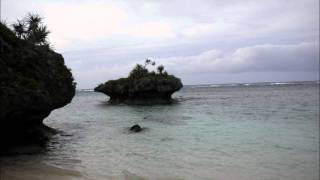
column 261, row 131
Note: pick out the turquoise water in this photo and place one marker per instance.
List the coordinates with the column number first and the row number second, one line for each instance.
column 261, row 132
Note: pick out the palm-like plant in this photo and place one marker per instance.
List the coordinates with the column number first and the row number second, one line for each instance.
column 160, row 69
column 32, row 30
column 34, row 21
column 19, row 28
column 147, row 62
column 38, row 35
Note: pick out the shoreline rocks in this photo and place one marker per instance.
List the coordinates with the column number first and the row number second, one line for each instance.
column 34, row 80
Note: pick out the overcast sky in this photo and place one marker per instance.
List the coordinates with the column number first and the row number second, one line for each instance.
column 200, row 41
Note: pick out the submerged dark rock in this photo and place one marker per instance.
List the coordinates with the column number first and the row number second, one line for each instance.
column 141, row 87
column 136, row 128
column 33, row 81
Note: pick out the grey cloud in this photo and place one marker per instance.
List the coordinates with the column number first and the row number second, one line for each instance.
column 259, row 58
column 298, row 57
column 211, row 41
column 247, row 64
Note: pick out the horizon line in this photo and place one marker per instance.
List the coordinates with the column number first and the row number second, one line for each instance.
column 261, row 82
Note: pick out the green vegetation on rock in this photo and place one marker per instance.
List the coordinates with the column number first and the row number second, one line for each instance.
column 34, row 79
column 32, row 30
column 142, row 86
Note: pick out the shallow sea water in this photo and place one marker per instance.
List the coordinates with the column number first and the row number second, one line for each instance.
column 260, row 132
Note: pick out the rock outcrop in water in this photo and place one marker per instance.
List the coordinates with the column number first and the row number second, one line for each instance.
column 135, row 128
column 142, row 87
column 33, row 81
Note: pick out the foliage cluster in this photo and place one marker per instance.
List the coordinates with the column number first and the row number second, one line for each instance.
column 140, row 71
column 32, row 29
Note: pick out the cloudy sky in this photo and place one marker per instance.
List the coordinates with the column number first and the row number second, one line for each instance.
column 200, row 41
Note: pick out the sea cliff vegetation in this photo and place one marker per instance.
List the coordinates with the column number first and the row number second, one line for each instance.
column 34, row 80
column 142, row 86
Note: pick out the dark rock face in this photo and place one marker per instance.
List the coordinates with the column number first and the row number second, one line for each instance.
column 33, row 81
column 135, row 128
column 145, row 91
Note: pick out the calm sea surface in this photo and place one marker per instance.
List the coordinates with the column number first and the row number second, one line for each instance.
column 240, row 132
